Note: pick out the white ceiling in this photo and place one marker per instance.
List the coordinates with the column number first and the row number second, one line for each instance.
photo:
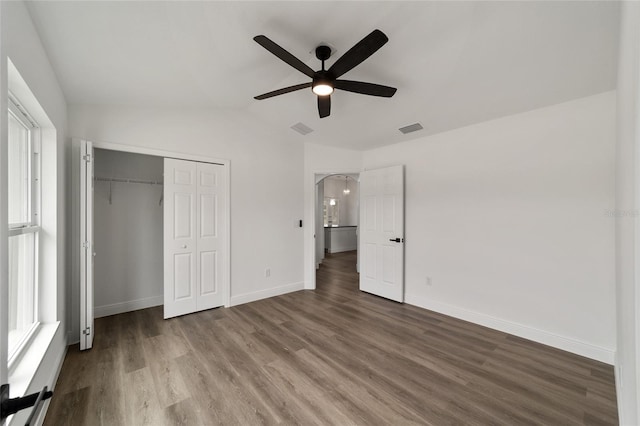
column 454, row 63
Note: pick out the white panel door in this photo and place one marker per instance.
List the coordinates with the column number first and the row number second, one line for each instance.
column 180, row 251
column 86, row 241
column 210, row 244
column 382, row 232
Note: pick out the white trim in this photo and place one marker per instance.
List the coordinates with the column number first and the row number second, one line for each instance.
column 158, row 152
column 266, row 293
column 568, row 344
column 23, row 344
column 26, row 367
column 343, row 249
column 54, row 381
column 27, row 229
column 128, row 306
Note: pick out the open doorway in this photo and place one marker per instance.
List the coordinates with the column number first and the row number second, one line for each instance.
column 337, row 212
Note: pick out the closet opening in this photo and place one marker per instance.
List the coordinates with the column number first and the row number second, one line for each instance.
column 151, row 228
column 128, row 232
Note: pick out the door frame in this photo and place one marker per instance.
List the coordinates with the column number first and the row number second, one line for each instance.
column 311, row 179
column 226, row 288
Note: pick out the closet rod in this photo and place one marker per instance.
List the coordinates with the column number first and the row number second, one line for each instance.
column 147, row 182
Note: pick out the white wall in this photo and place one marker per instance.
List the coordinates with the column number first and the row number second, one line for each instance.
column 127, row 233
column 508, row 219
column 266, row 183
column 20, row 42
column 319, row 159
column 627, row 212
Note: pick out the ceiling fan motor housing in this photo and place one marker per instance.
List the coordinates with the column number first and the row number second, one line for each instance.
column 323, row 52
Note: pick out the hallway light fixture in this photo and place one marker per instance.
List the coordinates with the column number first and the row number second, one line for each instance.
column 346, row 189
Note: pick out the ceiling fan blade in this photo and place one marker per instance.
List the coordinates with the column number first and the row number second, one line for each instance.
column 324, row 105
column 365, row 88
column 283, row 91
column 358, row 53
column 284, row 55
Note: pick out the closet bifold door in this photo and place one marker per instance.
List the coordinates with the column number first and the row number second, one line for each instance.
column 210, row 244
column 86, row 160
column 193, row 247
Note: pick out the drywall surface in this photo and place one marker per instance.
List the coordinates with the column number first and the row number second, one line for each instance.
column 510, row 221
column 266, row 182
column 19, row 41
column 128, row 239
column 627, row 212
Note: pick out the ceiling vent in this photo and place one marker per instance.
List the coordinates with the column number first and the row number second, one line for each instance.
column 302, row 129
column 411, row 128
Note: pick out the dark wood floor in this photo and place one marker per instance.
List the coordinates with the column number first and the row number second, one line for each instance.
column 330, row 356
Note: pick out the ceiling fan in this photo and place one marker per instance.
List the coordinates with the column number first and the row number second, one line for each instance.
column 325, row 81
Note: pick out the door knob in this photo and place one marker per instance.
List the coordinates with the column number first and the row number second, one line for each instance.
column 397, row 240
column 184, row 246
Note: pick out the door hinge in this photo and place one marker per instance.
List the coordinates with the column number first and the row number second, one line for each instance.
column 87, row 158
column 86, row 331
column 86, row 244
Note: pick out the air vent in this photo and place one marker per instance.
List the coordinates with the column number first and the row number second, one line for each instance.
column 302, row 129
column 411, row 128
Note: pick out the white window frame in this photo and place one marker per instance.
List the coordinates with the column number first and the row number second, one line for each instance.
column 33, row 226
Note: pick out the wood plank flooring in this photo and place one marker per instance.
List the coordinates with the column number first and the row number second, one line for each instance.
column 330, row 356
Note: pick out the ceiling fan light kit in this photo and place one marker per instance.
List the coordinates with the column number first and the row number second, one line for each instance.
column 324, row 81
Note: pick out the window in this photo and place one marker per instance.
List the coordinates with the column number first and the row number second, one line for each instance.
column 24, row 225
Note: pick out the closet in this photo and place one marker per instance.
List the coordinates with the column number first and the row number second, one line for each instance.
column 151, row 230
column 128, row 223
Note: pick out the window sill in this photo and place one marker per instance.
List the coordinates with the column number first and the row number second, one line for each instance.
column 24, row 370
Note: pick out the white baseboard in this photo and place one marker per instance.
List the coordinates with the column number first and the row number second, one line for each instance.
column 568, row 344
column 128, row 306
column 263, row 294
column 342, row 248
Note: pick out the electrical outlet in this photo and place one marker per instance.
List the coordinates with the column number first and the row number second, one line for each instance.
column 428, row 280
column 267, row 272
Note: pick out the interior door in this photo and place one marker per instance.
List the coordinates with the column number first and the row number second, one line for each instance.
column 86, row 241
column 211, row 222
column 194, row 236
column 382, row 232
column 180, row 191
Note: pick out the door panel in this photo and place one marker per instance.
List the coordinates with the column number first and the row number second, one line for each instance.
column 194, row 247
column 211, row 245
column 179, row 237
column 86, row 241
column 208, row 218
column 208, row 268
column 183, row 215
column 382, row 217
column 182, row 277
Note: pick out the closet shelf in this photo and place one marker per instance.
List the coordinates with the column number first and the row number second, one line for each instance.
column 121, row 180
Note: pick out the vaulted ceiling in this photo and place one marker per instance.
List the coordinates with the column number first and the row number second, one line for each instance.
column 454, row 63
